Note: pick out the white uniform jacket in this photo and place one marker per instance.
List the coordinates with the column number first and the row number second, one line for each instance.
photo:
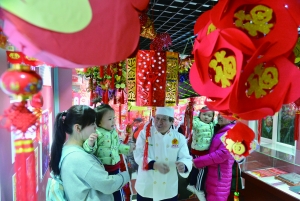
column 168, row 149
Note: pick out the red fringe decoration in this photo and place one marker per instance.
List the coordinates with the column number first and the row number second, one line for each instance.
column 112, row 80
column 259, row 131
column 25, row 170
column 105, row 97
column 188, row 118
column 122, row 101
column 145, row 160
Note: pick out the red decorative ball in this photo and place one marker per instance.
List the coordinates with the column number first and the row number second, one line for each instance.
column 37, row 100
column 21, row 81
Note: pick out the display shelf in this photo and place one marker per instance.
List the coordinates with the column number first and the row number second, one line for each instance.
column 283, row 188
column 290, row 158
column 266, row 187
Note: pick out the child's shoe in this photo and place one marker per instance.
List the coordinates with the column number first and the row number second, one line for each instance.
column 200, row 195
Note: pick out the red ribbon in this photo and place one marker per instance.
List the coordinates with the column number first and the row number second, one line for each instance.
column 101, row 74
column 25, row 170
column 105, row 96
column 259, row 130
column 148, row 134
column 188, row 118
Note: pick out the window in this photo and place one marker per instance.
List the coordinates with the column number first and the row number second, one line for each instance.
column 277, row 132
column 285, row 131
column 267, row 127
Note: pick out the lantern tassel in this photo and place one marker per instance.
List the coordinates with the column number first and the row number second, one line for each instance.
column 236, row 193
column 145, row 159
column 259, row 130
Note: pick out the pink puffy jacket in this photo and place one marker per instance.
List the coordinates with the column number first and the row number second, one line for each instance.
column 219, row 162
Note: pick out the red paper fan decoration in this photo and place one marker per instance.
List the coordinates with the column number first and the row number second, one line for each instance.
column 111, row 28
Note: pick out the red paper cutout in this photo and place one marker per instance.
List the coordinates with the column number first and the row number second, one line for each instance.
column 222, row 16
column 111, row 27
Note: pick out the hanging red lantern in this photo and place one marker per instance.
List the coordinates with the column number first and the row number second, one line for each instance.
column 21, row 82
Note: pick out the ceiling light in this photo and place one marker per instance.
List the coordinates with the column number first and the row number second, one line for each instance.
column 179, row 1
column 205, row 5
column 185, row 8
column 193, row 3
column 173, row 6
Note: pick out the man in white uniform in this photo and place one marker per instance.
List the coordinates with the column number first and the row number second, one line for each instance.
column 167, row 153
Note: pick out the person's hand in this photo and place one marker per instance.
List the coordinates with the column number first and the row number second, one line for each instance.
column 92, row 138
column 180, row 167
column 161, row 167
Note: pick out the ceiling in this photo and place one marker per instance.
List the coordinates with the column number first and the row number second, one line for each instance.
column 177, row 18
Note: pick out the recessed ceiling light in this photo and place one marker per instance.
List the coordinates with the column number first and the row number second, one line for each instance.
column 193, row 3
column 198, row 11
column 179, row 1
column 185, row 8
column 173, row 6
column 205, row 5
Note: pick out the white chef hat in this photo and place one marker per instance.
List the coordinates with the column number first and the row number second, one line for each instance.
column 168, row 111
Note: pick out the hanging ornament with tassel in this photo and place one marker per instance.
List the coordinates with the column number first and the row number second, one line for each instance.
column 21, row 83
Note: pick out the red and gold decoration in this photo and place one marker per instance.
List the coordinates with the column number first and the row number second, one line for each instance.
column 15, row 57
column 21, row 83
column 161, row 42
column 239, row 141
column 147, row 26
column 106, row 82
column 156, row 78
column 243, row 62
column 3, row 39
column 131, row 79
column 188, row 119
column 25, row 170
column 148, row 134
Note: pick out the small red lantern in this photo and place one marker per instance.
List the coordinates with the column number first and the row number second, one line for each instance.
column 20, row 81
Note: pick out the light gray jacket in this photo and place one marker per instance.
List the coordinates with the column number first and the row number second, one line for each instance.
column 84, row 177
